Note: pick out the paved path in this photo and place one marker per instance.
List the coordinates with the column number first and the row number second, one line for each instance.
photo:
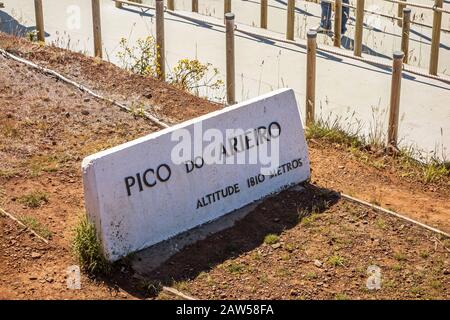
column 352, row 91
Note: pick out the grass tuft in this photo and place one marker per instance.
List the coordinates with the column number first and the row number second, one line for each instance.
column 333, row 132
column 399, row 256
column 235, row 268
column 336, row 261
column 34, row 199
column 341, row 296
column 271, row 239
column 34, row 224
column 434, row 172
column 87, row 248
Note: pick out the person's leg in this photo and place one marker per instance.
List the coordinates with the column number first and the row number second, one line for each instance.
column 325, row 20
column 345, row 16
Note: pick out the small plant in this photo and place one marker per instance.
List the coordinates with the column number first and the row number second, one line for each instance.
column 381, row 223
column 283, row 272
column 285, row 257
column 45, row 163
column 309, row 220
column 399, row 256
column 336, row 261
column 235, row 268
column 36, row 226
column 7, row 173
column 333, row 132
column 416, row 290
column 32, row 36
column 34, row 199
column 389, row 284
column 188, row 74
column 151, row 288
column 433, row 172
column 137, row 110
column 192, row 75
column 141, row 58
column 435, row 284
column 87, row 248
column 397, row 267
column 271, row 239
column 181, row 285
column 340, row 296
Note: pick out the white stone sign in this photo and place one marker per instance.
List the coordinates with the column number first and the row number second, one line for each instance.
column 153, row 188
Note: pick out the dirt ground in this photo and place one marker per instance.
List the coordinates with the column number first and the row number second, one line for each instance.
column 47, row 128
column 323, row 256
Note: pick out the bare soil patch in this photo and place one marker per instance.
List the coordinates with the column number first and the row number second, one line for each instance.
column 314, row 252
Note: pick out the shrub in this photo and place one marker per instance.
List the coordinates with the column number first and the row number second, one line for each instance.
column 141, row 58
column 191, row 75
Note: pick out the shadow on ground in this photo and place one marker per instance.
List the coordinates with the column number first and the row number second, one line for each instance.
column 9, row 24
column 272, row 216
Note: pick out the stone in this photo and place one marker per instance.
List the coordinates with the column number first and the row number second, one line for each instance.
column 35, row 255
column 150, row 189
column 318, row 263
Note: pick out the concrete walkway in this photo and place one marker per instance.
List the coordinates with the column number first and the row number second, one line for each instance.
column 353, row 92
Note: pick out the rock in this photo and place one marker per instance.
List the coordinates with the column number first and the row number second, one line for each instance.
column 276, row 245
column 35, row 255
column 318, row 263
column 85, row 112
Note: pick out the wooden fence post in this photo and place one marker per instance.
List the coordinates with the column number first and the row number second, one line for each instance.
column 263, row 16
column 311, row 77
column 357, row 50
column 400, row 8
column 39, row 13
column 231, row 79
column 290, row 20
column 194, row 5
column 435, row 38
column 394, row 109
column 227, row 6
column 171, row 5
column 405, row 33
column 160, row 51
column 97, row 28
column 337, row 23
